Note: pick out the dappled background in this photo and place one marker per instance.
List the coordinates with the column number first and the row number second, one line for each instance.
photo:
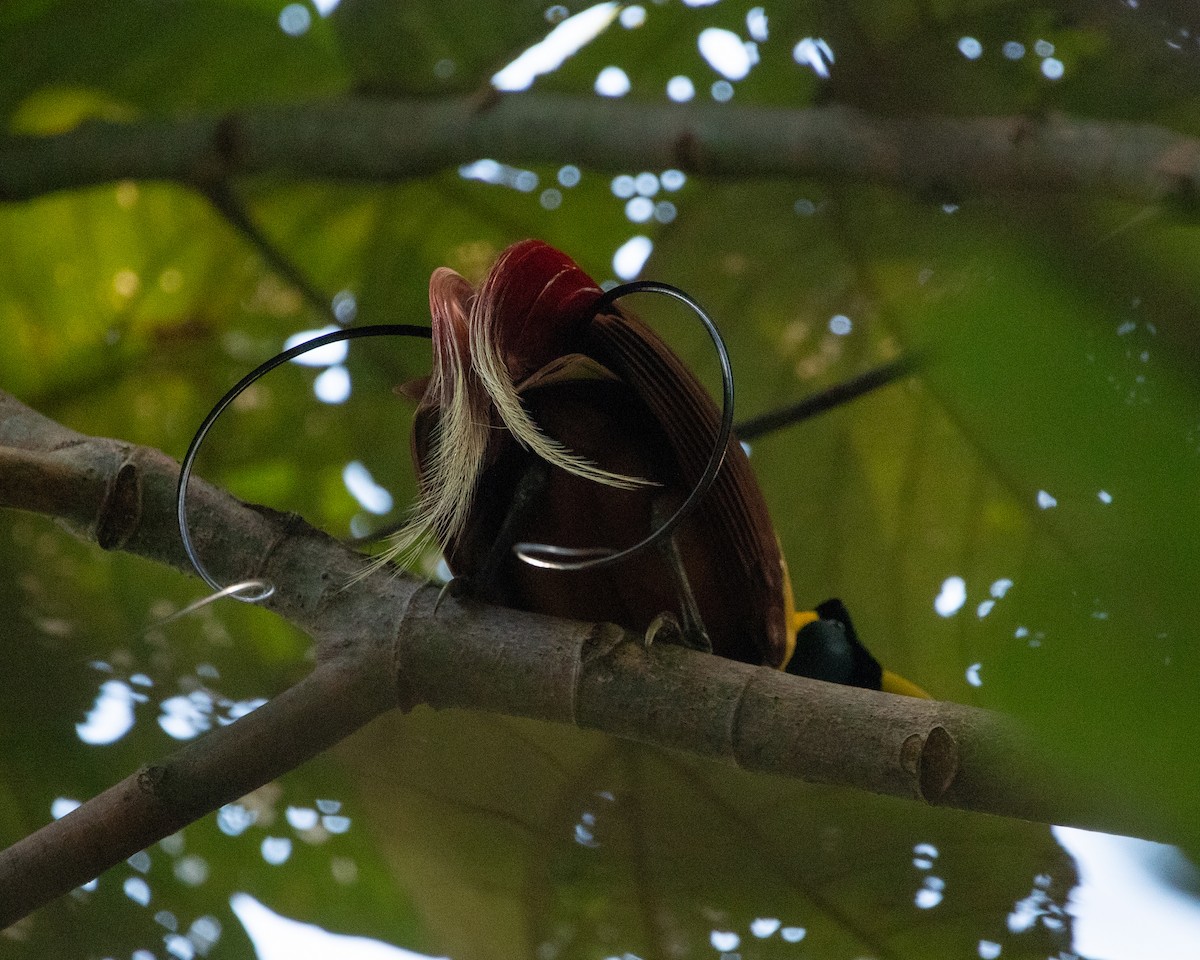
column 1015, row 526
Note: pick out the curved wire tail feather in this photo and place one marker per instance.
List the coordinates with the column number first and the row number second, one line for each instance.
column 189, row 460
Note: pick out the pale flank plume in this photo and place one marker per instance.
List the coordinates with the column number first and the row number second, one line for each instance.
column 460, row 437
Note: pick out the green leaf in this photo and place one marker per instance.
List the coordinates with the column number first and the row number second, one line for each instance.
column 539, row 838
column 130, row 309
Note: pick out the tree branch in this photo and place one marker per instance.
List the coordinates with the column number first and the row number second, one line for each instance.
column 162, row 798
column 821, row 401
column 227, row 203
column 358, row 139
column 380, row 644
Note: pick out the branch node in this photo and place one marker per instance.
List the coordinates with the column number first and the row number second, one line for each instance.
column 686, row 150
column 601, row 640
column 937, row 765
column 1023, row 130
column 599, row 643
column 121, row 509
column 407, row 694
column 485, row 99
column 223, row 154
column 290, row 525
column 150, row 780
column 910, row 754
column 229, row 143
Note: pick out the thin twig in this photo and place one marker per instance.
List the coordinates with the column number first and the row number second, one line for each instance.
column 824, row 400
column 221, row 195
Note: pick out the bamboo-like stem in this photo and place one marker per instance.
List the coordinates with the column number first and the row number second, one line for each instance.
column 381, row 643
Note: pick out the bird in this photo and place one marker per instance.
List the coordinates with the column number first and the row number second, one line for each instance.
column 544, row 420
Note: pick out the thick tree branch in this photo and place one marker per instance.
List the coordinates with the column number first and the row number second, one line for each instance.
column 357, row 139
column 381, row 645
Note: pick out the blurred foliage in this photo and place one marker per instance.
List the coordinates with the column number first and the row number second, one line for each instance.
column 1051, row 441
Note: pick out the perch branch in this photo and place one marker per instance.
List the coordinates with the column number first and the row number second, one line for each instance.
column 358, row 139
column 380, row 644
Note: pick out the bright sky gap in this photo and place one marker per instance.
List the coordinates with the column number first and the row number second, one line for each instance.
column 569, row 37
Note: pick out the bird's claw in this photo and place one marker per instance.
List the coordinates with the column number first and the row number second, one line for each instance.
column 456, row 587
column 666, row 628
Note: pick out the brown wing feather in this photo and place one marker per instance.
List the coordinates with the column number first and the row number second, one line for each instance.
column 732, row 527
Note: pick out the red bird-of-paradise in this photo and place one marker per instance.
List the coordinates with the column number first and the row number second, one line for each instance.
column 546, row 421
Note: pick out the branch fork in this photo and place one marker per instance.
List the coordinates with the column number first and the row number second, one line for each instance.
column 381, row 645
